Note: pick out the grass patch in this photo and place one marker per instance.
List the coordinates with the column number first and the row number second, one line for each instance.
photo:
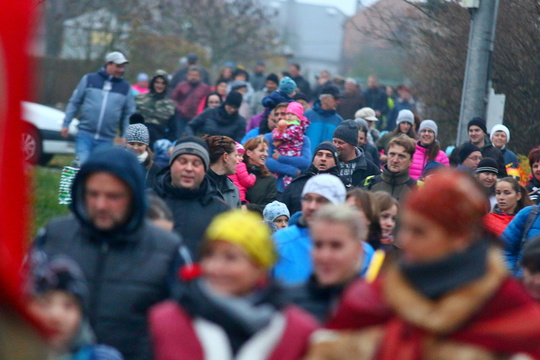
column 46, row 180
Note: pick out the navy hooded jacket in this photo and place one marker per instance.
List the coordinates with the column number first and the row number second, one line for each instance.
column 127, row 267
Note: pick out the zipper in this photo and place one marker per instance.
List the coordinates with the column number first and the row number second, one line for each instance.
column 99, row 269
column 106, row 88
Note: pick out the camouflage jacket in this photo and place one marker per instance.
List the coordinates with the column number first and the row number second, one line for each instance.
column 155, row 111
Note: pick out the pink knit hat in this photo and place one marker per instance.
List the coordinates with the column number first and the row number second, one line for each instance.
column 297, row 109
column 240, row 148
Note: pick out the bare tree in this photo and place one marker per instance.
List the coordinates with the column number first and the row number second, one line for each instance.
column 228, row 29
column 434, row 35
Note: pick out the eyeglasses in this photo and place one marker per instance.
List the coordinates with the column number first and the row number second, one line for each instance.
column 428, row 131
column 474, row 158
column 214, row 102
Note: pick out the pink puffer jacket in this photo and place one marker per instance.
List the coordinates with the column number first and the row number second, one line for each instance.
column 420, row 159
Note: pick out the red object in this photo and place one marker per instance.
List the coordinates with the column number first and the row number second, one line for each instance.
column 174, row 337
column 508, row 323
column 189, row 272
column 496, row 223
column 15, row 20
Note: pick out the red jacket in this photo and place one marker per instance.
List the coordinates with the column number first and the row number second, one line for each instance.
column 493, row 314
column 187, row 98
column 175, row 338
column 496, row 223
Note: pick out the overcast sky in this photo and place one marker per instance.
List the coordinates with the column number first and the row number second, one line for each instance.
column 347, row 6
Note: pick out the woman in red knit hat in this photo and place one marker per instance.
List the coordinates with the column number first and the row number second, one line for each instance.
column 448, row 297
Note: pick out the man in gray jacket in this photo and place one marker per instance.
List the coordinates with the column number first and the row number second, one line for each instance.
column 105, row 102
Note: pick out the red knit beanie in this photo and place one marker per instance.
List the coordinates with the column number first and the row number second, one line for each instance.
column 452, row 199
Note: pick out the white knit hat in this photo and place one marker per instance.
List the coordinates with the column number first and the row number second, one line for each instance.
column 429, row 124
column 327, row 186
column 499, row 127
column 405, row 116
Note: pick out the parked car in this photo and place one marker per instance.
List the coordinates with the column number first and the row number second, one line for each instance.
column 41, row 135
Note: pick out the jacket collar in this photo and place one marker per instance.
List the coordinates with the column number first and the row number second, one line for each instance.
column 394, row 178
column 455, row 308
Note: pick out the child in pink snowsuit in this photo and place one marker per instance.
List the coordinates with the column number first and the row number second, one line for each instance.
column 241, row 178
column 289, row 139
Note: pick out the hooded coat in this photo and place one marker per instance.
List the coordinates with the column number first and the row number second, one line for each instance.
column 216, row 121
column 323, row 123
column 127, row 267
column 193, row 210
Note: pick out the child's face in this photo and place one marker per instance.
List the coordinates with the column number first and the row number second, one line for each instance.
column 531, row 280
column 62, row 315
column 240, row 156
column 292, row 117
column 281, row 222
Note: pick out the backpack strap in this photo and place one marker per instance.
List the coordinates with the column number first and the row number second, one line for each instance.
column 528, row 224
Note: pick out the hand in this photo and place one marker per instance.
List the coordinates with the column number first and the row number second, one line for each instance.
column 64, row 132
column 276, row 155
column 120, row 141
column 377, row 113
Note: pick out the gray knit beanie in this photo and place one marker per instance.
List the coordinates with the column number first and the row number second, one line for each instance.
column 193, row 146
column 137, row 133
column 275, row 209
column 348, row 132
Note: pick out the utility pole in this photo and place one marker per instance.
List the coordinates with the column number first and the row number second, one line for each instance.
column 477, row 70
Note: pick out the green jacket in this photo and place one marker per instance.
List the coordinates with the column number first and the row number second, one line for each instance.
column 396, row 184
column 155, row 110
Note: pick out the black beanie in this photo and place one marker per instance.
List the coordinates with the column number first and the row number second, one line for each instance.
column 327, row 145
column 478, row 121
column 466, row 150
column 487, row 165
column 234, row 99
column 348, row 132
column 273, row 78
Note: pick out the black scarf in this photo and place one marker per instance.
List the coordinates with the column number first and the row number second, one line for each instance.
column 434, row 279
column 240, row 317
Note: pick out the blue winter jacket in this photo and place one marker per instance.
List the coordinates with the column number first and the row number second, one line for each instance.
column 105, row 104
column 294, row 246
column 287, row 165
column 323, row 124
column 510, row 158
column 512, row 238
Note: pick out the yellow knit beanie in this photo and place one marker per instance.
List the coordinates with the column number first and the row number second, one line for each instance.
column 246, row 230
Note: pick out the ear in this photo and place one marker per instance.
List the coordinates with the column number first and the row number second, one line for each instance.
column 519, row 195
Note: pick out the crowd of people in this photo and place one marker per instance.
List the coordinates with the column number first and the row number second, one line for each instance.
column 265, row 219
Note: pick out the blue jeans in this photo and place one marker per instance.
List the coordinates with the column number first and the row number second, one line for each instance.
column 85, row 144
